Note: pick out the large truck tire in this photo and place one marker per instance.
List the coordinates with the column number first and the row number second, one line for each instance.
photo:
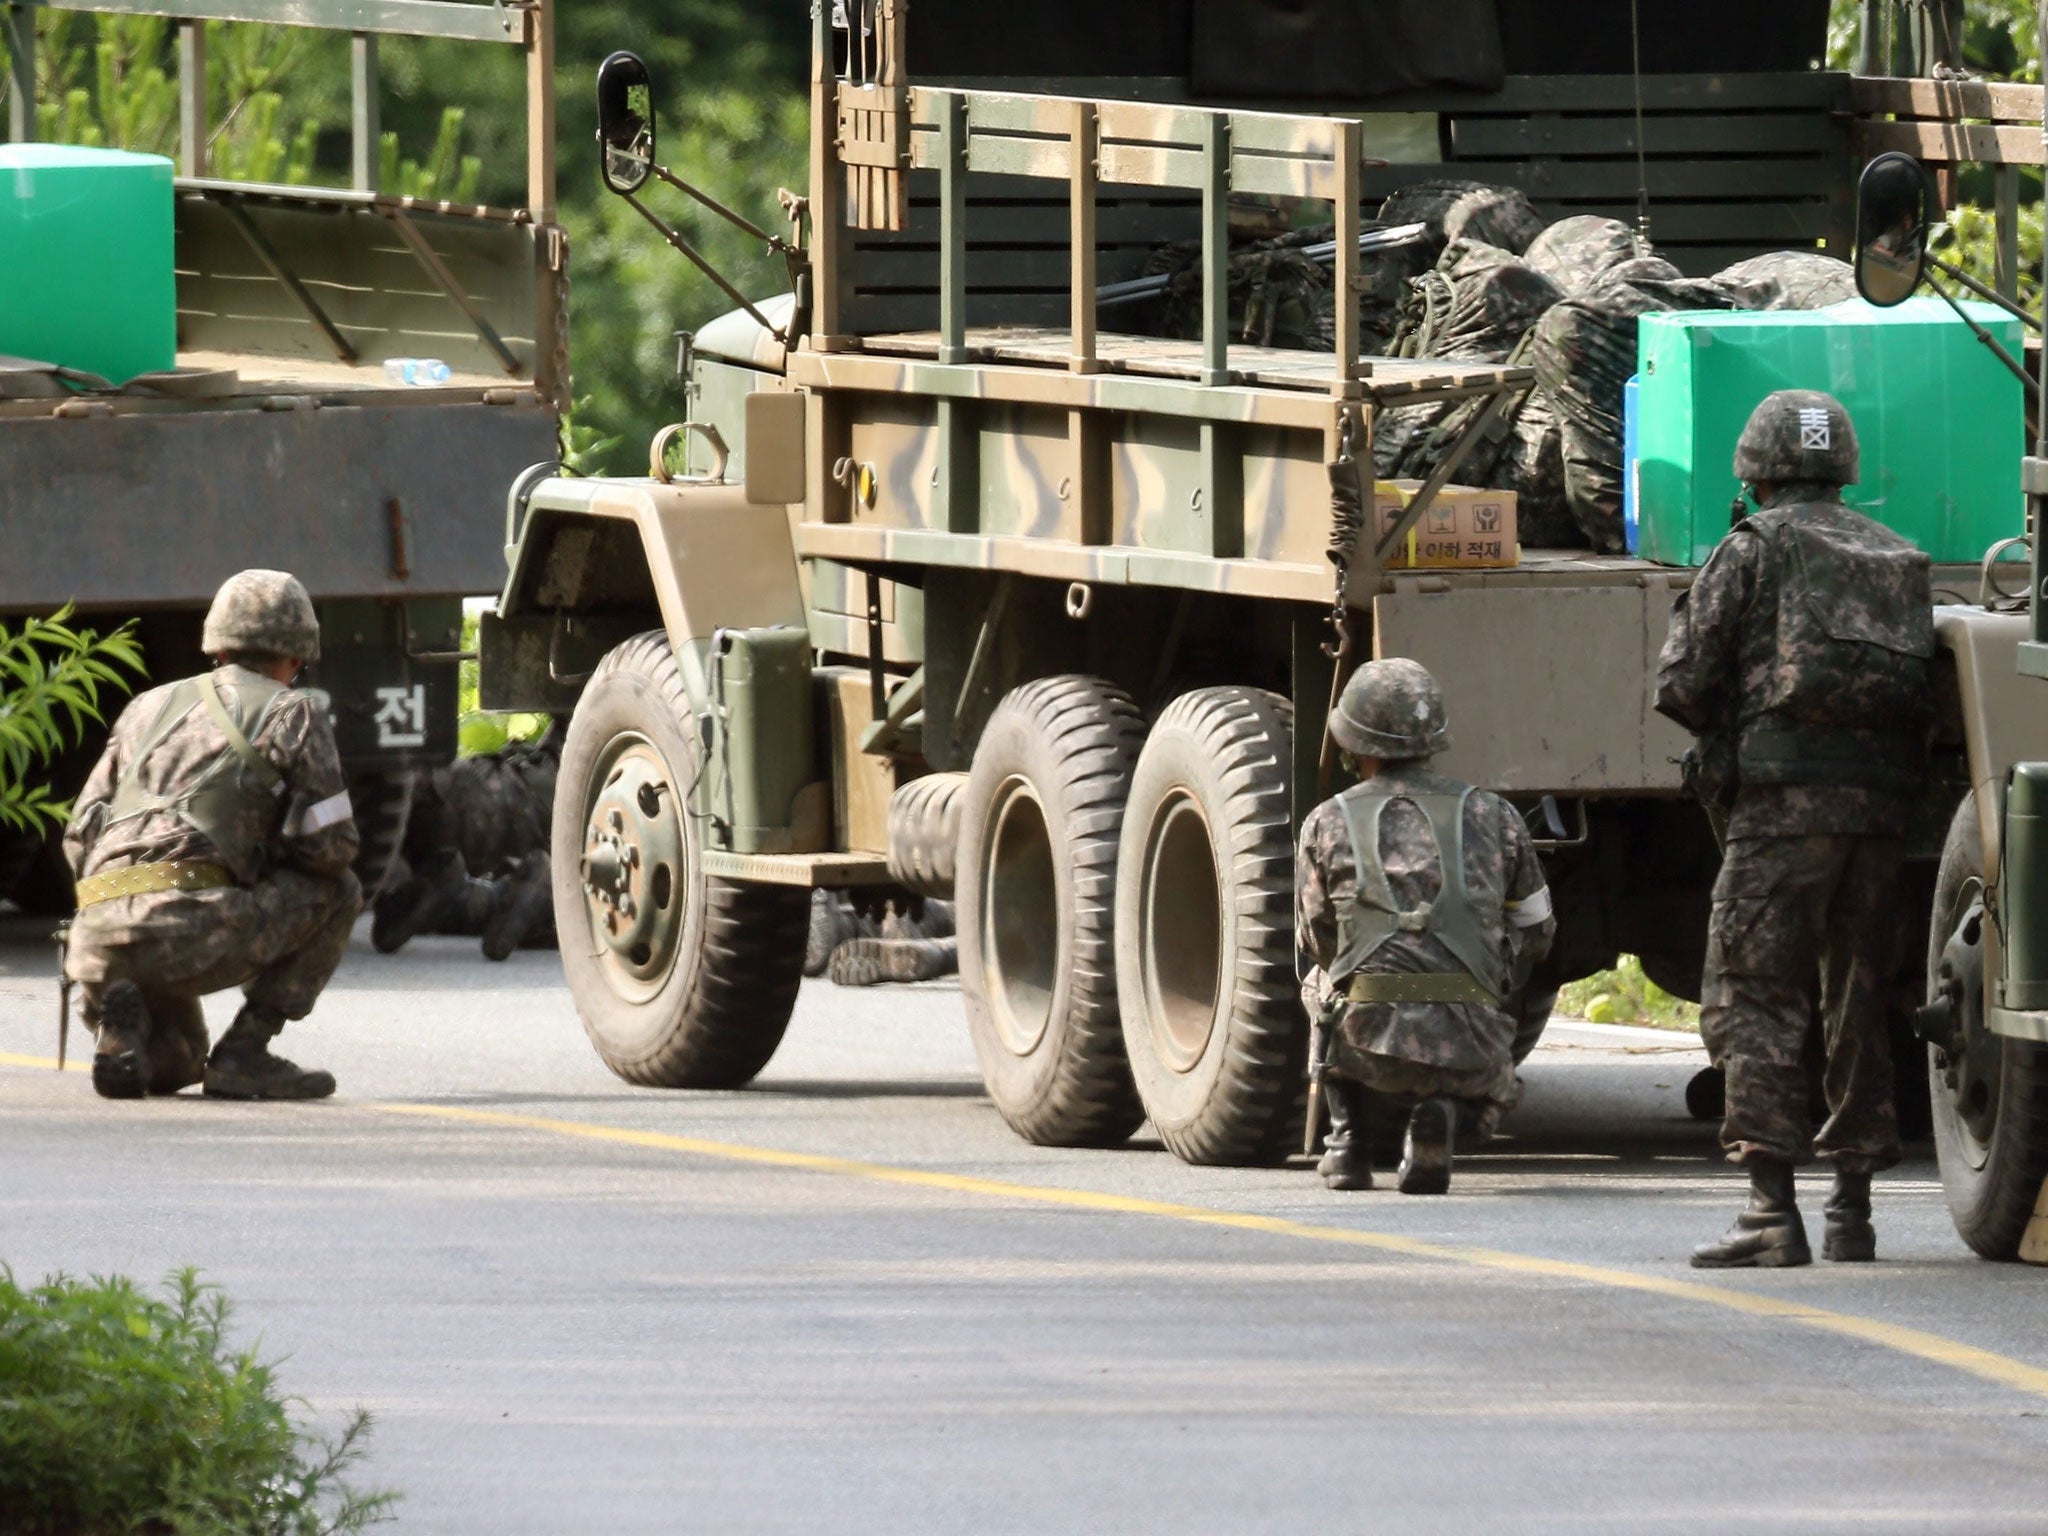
column 924, row 834
column 1036, row 891
column 1212, row 1015
column 682, row 980
column 1990, row 1095
column 382, row 801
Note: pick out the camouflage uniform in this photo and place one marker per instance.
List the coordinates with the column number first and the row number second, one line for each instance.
column 280, row 929
column 1389, row 918
column 1417, row 1050
column 1806, row 641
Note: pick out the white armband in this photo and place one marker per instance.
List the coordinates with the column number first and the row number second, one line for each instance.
column 1531, row 909
column 322, row 814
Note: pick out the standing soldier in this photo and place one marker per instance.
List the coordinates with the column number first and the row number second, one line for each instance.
column 213, row 845
column 1420, row 904
column 1801, row 658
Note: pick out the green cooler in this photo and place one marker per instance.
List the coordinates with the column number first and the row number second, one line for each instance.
column 1940, row 420
column 87, row 245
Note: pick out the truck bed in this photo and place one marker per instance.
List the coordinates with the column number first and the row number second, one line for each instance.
column 308, row 459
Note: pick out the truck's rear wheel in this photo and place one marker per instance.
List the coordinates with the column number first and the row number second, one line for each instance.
column 1036, row 887
column 1990, row 1093
column 1211, row 1009
column 683, row 981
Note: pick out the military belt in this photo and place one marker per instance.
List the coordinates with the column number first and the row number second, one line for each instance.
column 148, row 879
column 1418, row 987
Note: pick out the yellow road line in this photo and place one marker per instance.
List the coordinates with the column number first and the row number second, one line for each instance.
column 73, row 1064
column 1932, row 1347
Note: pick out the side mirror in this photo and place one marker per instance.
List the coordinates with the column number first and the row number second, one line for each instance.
column 1892, row 203
column 625, row 123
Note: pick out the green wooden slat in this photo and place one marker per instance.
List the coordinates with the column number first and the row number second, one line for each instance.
column 1706, row 134
column 407, row 18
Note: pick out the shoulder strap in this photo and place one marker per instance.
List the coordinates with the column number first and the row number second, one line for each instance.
column 129, row 797
column 258, row 767
column 1372, row 918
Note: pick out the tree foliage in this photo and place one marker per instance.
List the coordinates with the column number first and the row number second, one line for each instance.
column 51, row 678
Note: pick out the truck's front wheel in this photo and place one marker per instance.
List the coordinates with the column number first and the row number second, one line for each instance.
column 682, row 980
column 1990, row 1092
column 1036, row 885
column 1212, row 1013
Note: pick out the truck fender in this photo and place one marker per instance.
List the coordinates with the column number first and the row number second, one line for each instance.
column 2001, row 716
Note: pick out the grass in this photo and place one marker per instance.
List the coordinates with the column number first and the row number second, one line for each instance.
column 1625, row 995
column 125, row 1414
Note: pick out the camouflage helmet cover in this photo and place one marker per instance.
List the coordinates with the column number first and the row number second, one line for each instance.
column 1392, row 710
column 263, row 611
column 1798, row 434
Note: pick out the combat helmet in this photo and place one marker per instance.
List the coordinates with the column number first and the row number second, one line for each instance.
column 1798, row 434
column 1392, row 710
column 262, row 611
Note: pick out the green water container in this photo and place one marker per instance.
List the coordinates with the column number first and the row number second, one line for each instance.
column 1939, row 418
column 87, row 246
column 761, row 688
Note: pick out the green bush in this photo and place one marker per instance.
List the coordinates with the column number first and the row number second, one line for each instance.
column 1625, row 995
column 125, row 1415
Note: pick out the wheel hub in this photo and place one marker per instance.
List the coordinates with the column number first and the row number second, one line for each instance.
column 631, row 864
column 1181, row 946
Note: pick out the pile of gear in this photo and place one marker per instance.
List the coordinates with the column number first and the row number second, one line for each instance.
column 476, row 852
column 908, row 941
column 1490, row 281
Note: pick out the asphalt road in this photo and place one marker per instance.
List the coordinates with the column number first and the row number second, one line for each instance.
column 848, row 1300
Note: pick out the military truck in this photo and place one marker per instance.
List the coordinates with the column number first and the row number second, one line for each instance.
column 282, row 442
column 960, row 593
column 1986, row 1019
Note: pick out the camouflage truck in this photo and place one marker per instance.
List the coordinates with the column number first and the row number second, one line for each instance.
column 282, row 442
column 961, row 594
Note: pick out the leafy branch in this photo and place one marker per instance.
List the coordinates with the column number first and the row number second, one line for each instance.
column 51, row 679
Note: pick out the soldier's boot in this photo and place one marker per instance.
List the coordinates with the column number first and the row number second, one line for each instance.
column 120, row 1063
column 1849, row 1238
column 1347, row 1156
column 1426, row 1150
column 438, row 889
column 525, row 905
column 833, row 922
column 177, row 1051
column 241, row 1066
column 866, row 962
column 1768, row 1233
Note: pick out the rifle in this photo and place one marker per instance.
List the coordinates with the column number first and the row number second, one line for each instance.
column 1317, row 1045
column 63, row 938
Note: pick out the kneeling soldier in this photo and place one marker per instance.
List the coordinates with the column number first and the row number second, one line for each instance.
column 1420, row 903
column 213, row 847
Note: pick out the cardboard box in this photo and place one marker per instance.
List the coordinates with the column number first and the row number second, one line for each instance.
column 1464, row 526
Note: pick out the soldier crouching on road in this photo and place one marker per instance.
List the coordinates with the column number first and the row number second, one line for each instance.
column 1802, row 658
column 212, row 846
column 1421, row 905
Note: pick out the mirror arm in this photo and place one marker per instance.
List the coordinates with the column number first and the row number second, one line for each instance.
column 738, row 220
column 1988, row 295
column 1991, row 341
column 710, row 271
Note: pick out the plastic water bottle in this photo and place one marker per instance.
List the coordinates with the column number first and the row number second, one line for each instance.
column 418, row 371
